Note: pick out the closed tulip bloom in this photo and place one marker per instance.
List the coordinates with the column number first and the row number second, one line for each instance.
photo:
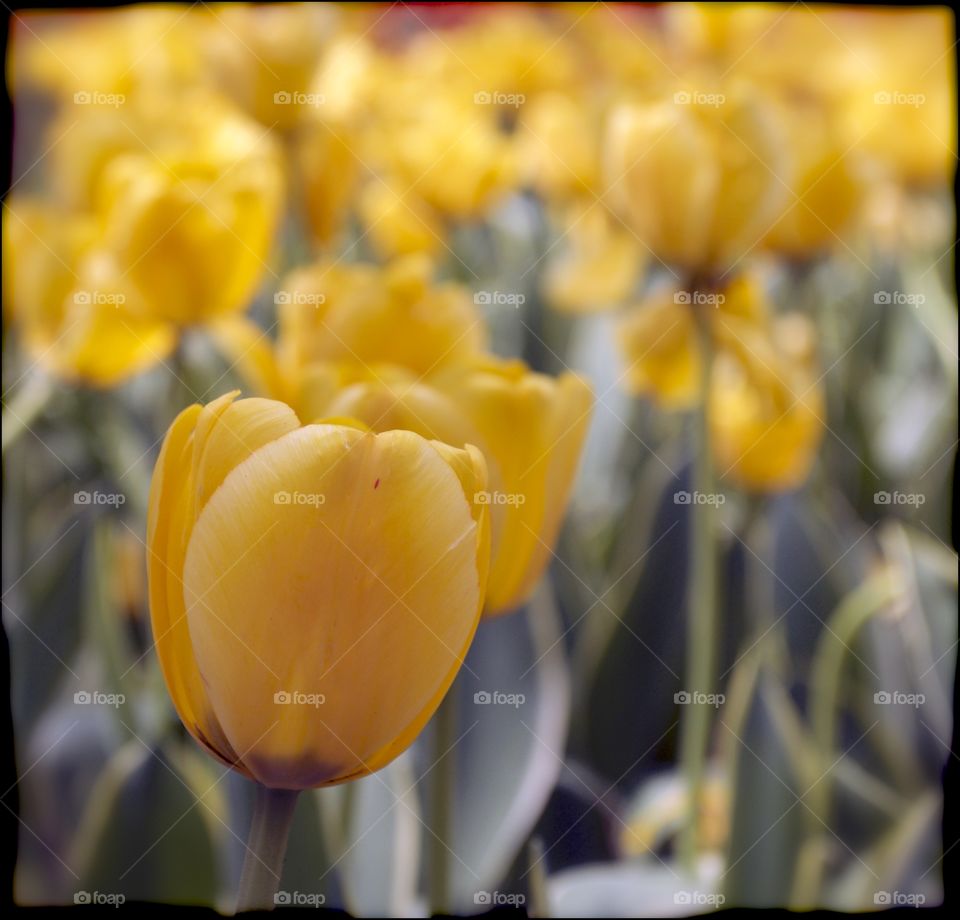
column 361, row 313
column 77, row 321
column 828, row 181
column 193, row 232
column 766, row 409
column 531, row 428
column 698, row 175
column 313, row 589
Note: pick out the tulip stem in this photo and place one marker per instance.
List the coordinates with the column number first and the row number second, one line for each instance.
column 444, row 770
column 266, row 847
column 701, row 608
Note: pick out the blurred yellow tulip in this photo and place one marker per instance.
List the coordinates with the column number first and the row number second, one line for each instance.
column 105, row 57
column 698, row 173
column 398, row 222
column 313, row 590
column 361, row 313
column 77, row 322
column 766, row 409
column 829, row 182
column 766, row 406
column 265, row 55
column 531, row 428
column 597, row 264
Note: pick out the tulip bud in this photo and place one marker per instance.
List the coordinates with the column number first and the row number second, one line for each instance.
column 314, row 589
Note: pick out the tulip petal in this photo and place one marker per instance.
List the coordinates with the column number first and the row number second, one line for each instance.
column 168, row 526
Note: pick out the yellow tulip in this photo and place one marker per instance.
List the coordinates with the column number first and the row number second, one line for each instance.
column 531, row 428
column 398, row 222
column 766, row 410
column 697, row 173
column 328, row 173
column 105, row 56
column 766, row 406
column 175, row 231
column 313, row 590
column 265, row 56
column 77, row 321
column 360, row 313
column 597, row 265
column 828, row 181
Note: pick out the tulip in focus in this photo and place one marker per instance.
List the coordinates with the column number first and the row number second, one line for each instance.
column 313, row 589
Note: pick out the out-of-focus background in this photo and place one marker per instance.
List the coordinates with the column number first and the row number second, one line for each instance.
column 630, row 191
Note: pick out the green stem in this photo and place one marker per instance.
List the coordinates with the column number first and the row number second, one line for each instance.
column 871, row 598
column 701, row 608
column 444, row 770
column 266, row 847
column 22, row 409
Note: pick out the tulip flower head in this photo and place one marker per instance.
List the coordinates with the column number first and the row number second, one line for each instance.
column 313, row 589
